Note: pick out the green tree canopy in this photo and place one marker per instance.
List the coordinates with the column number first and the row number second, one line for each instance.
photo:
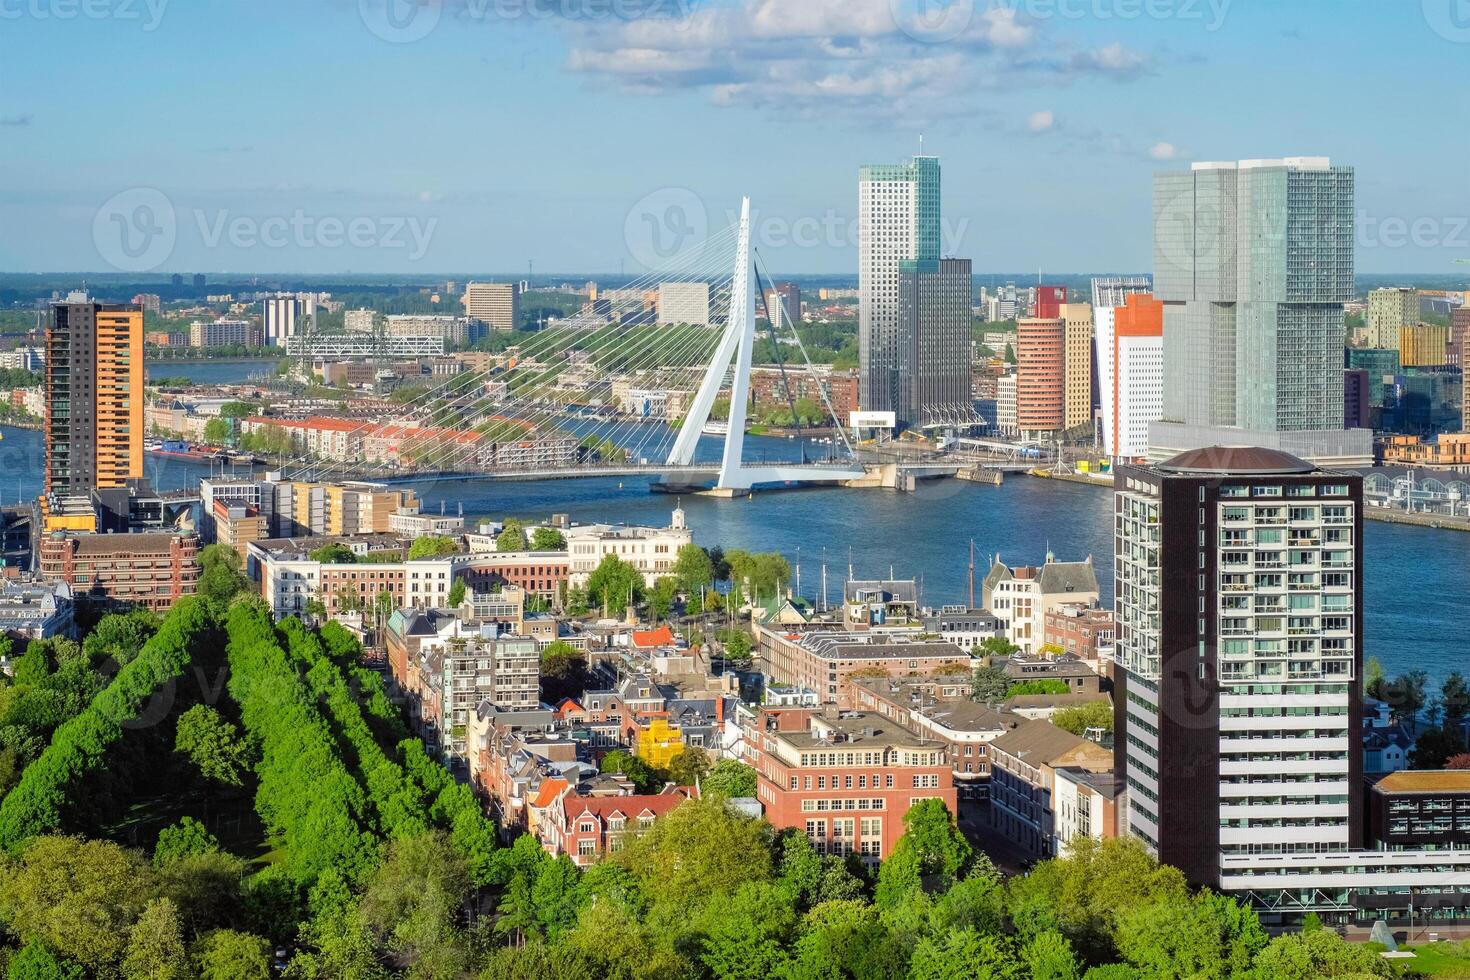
column 213, row 744
column 1078, row 719
column 432, row 546
column 693, row 568
column 613, row 584
column 512, row 536
column 548, row 539
column 221, row 578
column 730, row 778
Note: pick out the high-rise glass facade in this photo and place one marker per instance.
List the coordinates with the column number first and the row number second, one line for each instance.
column 1254, row 261
column 898, row 222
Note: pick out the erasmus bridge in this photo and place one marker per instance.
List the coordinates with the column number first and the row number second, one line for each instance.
column 594, row 395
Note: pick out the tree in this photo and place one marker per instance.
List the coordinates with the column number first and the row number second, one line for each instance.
column 557, row 895
column 1048, row 956
column 1373, row 678
column 930, row 830
column 1454, row 699
column 213, row 744
column 643, row 776
column 180, row 840
column 120, row 636
column 335, row 553
column 547, row 539
column 998, row 647
column 1405, row 694
column 227, row 955
column 990, row 685
column 413, row 901
column 729, row 778
column 737, row 644
column 965, row 954
column 220, row 578
column 561, row 661
column 79, row 898
column 512, row 536
column 693, row 568
column 1318, row 954
column 1435, row 747
column 217, row 432
column 156, row 945
column 432, row 546
column 1077, row 720
column 689, row 767
column 457, row 592
column 613, row 584
column 699, row 849
column 1199, row 936
column 661, row 598
column 36, row 962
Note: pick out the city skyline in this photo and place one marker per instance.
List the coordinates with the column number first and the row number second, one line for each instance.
column 1013, row 102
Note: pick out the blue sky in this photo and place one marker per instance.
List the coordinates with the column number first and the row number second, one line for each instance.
column 289, row 135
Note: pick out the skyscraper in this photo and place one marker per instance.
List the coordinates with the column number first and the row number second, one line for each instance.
column 1041, row 378
column 94, row 396
column 898, row 221
column 1239, row 602
column 914, row 307
column 496, row 303
column 934, row 343
column 1077, row 369
column 1130, row 369
column 1389, row 309
column 1254, row 261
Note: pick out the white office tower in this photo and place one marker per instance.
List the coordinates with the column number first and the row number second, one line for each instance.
column 1129, row 344
column 281, row 319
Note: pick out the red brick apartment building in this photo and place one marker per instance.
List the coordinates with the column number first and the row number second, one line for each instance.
column 588, row 827
column 845, row 779
column 149, row 570
column 539, row 574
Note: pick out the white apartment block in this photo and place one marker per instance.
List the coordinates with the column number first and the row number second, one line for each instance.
column 684, row 303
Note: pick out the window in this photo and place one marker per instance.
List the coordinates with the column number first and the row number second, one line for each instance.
column 586, row 848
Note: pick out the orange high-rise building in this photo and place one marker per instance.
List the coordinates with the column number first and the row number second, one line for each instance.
column 1041, row 360
column 94, row 397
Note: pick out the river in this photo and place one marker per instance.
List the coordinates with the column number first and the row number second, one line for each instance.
column 211, row 371
column 1416, row 578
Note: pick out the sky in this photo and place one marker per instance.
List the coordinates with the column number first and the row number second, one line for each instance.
column 483, row 137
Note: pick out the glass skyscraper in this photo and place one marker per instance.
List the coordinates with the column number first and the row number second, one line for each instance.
column 1253, row 261
column 912, row 317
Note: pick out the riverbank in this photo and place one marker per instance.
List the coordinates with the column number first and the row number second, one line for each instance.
column 1442, row 522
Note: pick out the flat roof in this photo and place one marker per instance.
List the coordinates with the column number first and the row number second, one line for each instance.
column 1426, row 781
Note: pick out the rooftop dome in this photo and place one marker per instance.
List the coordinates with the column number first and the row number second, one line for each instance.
column 1225, row 460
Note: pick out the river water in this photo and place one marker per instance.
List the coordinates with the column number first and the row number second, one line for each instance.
column 1417, row 578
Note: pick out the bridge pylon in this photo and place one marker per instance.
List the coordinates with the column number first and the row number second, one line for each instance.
column 736, row 347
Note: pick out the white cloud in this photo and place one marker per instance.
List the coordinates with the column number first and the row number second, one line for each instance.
column 1040, row 122
column 826, row 56
column 1162, row 151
